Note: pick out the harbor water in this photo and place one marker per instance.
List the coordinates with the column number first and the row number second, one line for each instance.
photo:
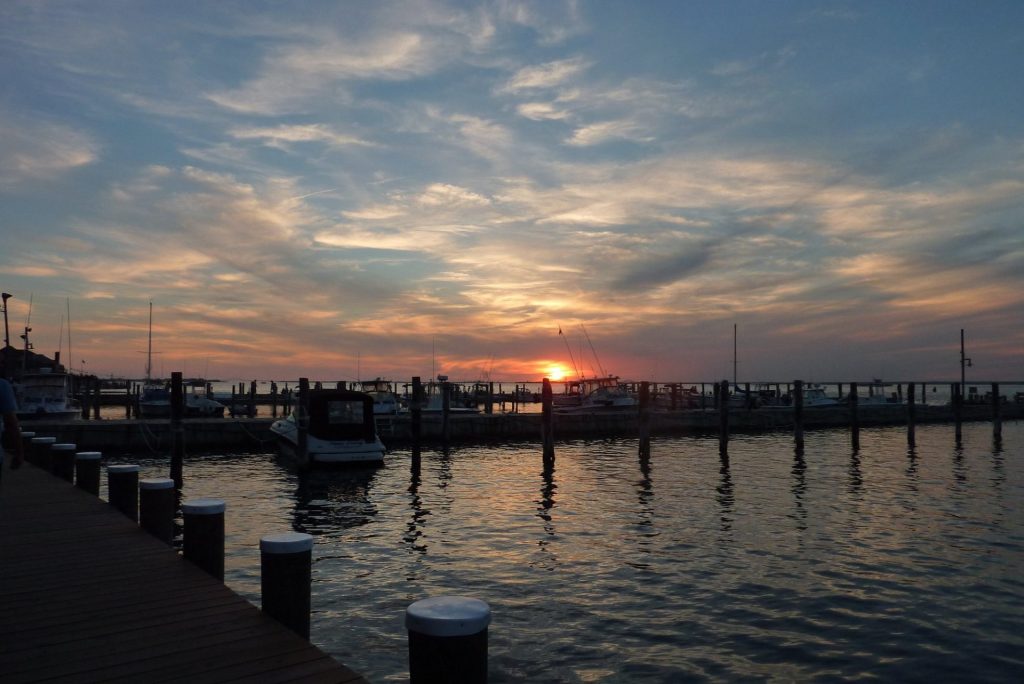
column 887, row 563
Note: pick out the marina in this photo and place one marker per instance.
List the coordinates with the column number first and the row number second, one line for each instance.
column 766, row 562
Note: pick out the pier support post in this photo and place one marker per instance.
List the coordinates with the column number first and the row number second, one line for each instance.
column 252, row 399
column 87, row 471
column 722, row 403
column 39, row 455
column 273, row 399
column 798, row 413
column 416, row 411
column 997, row 413
column 489, row 406
column 547, row 421
column 97, row 395
column 177, row 430
column 446, row 410
column 958, row 404
column 644, row 419
column 911, row 415
column 854, row 417
column 156, row 507
column 123, row 489
column 286, row 571
column 26, row 444
column 448, row 640
column 203, row 540
column 62, row 461
column 302, row 425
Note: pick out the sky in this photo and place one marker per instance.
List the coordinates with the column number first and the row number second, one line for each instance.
column 346, row 190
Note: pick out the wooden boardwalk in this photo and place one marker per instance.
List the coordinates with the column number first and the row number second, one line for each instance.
column 87, row 596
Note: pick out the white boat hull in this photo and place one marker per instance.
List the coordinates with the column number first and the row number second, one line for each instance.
column 327, row 451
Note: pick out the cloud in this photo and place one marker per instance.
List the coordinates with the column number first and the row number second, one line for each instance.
column 283, row 136
column 541, row 111
column 33, row 150
column 597, row 133
column 542, row 76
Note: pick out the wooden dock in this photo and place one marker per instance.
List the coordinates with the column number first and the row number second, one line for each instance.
column 88, row 596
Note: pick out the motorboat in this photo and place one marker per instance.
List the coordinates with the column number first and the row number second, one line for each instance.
column 385, row 401
column 340, row 430
column 602, row 394
column 155, row 402
column 46, row 395
column 815, row 397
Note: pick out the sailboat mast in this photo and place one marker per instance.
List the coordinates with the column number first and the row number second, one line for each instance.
column 71, row 359
column 149, row 349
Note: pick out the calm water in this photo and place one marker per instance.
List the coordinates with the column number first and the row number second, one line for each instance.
column 903, row 566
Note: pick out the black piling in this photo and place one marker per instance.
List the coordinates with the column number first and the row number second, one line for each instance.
column 448, row 640
column 286, row 567
column 87, row 471
column 911, row 415
column 302, row 425
column 854, row 417
column 203, row 540
column 722, row 404
column 547, row 419
column 62, row 461
column 157, row 503
column 446, row 411
column 644, row 419
column 798, row 413
column 123, row 489
column 177, row 430
column 997, row 413
column 958, row 405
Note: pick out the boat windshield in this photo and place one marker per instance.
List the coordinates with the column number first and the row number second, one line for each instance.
column 345, row 412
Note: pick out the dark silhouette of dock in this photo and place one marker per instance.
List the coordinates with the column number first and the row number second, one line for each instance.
column 87, row 596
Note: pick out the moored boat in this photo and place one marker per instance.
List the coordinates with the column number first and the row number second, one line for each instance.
column 46, row 395
column 340, row 430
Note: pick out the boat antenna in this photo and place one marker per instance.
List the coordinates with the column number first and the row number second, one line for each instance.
column 569, row 349
column 60, row 337
column 28, row 329
column 593, row 351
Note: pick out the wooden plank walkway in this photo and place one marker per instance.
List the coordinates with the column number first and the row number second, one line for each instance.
column 87, row 596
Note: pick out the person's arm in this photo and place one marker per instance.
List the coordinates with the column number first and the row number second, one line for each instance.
column 13, row 432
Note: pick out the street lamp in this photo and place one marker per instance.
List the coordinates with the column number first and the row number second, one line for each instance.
column 7, row 331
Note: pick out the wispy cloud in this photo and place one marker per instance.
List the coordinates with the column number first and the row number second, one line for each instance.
column 34, row 150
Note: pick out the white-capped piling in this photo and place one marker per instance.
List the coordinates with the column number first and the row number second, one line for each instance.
column 448, row 640
column 286, row 567
column 203, row 536
column 62, row 461
column 156, row 507
column 123, row 489
column 39, row 453
column 87, row 471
